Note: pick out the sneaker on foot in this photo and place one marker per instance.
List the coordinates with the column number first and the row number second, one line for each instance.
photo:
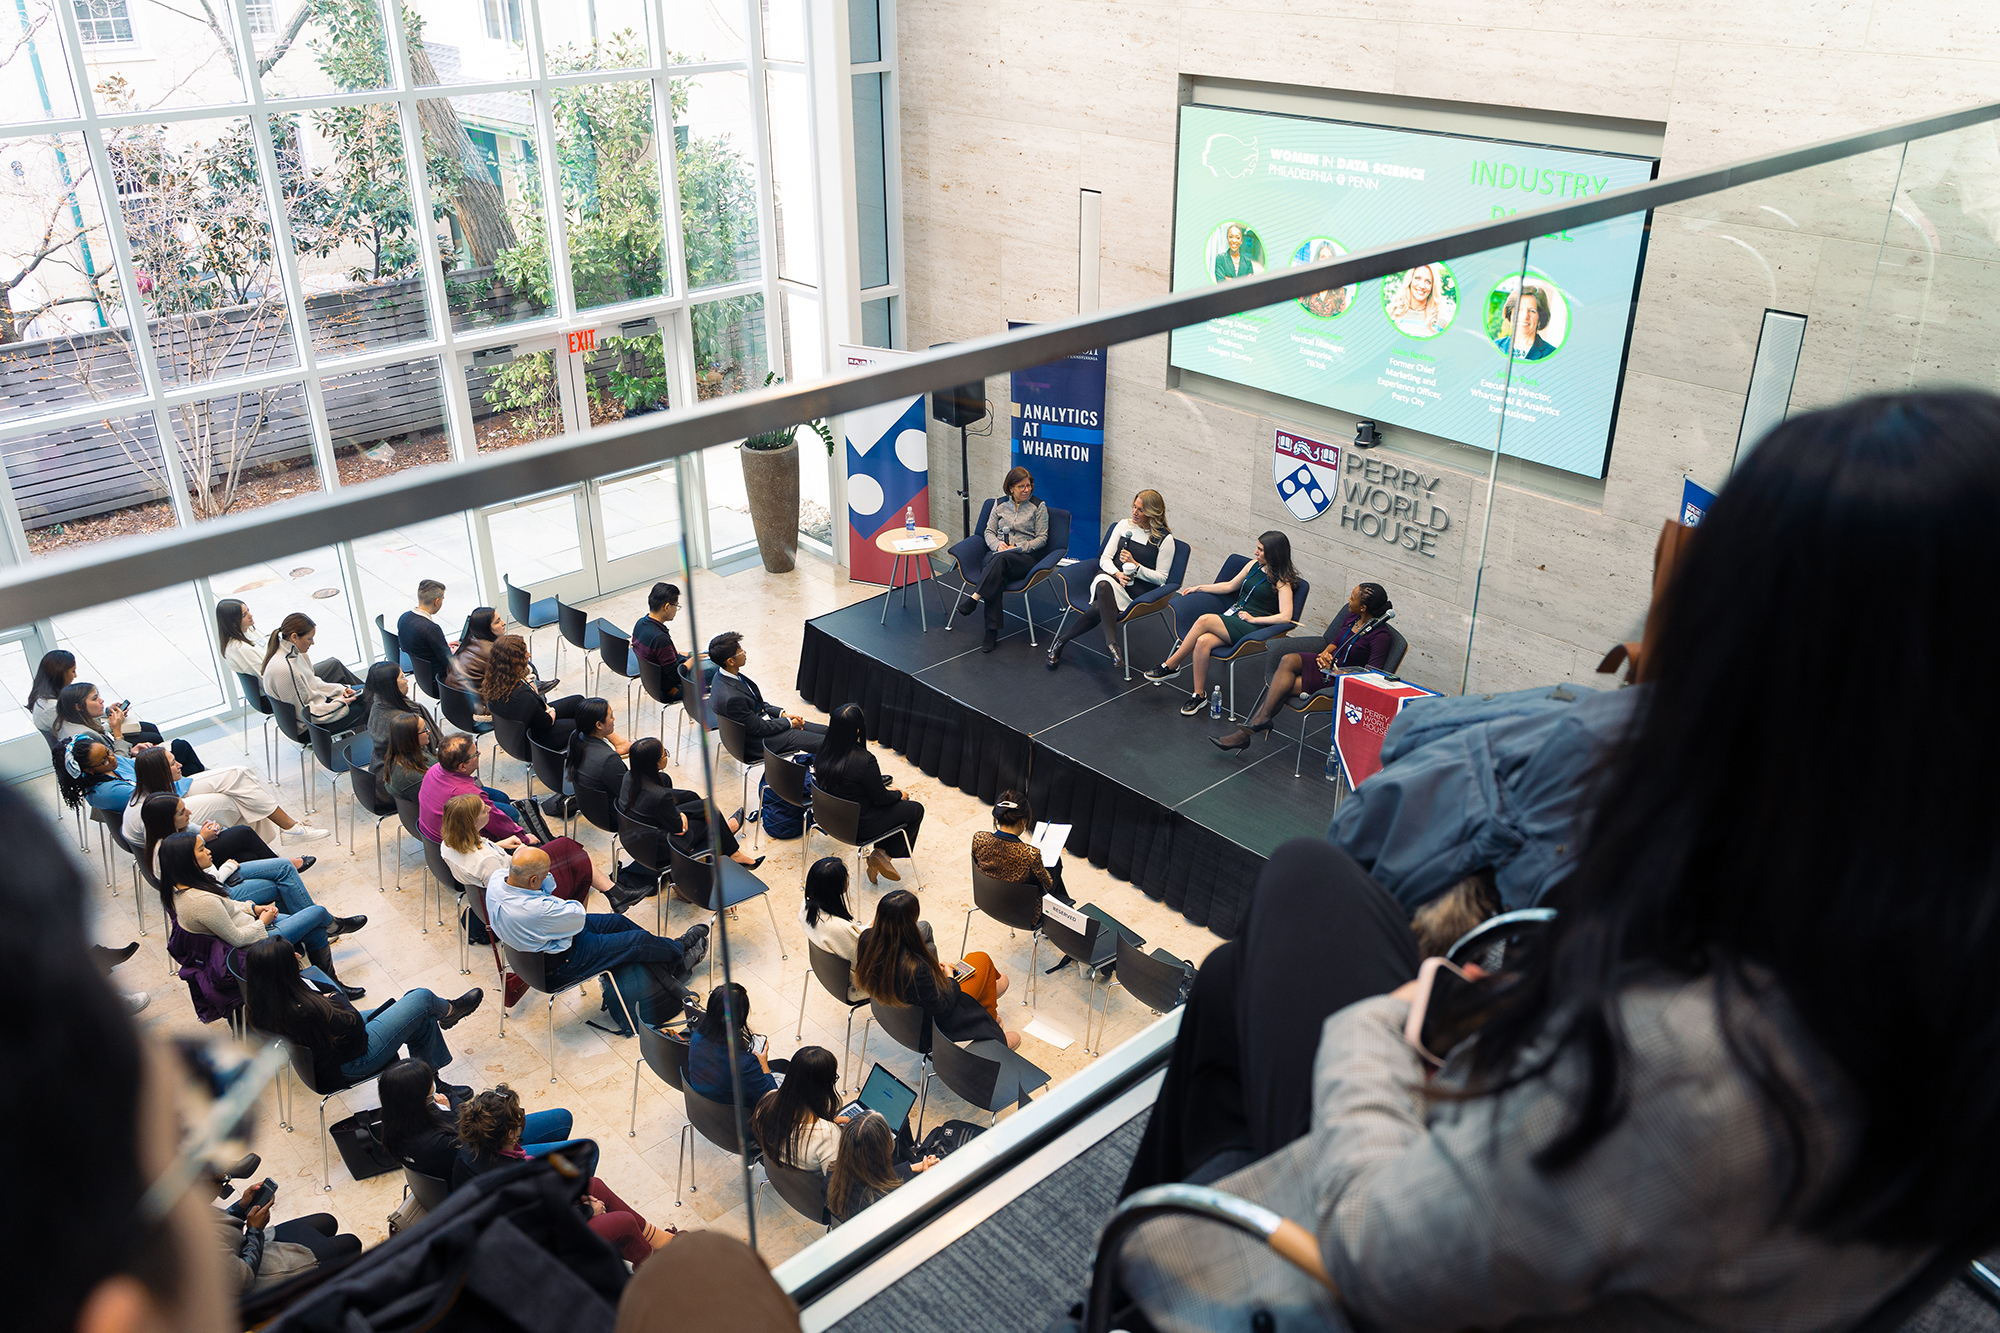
column 1162, row 672
column 1195, row 704
column 462, row 1006
column 137, row 1000
column 304, row 833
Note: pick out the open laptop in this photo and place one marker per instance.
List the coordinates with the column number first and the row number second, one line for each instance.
column 886, row 1094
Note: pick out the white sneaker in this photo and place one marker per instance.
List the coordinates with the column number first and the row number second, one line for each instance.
column 137, row 1000
column 304, row 833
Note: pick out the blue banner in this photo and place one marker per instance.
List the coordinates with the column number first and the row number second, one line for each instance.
column 1695, row 502
column 1058, row 434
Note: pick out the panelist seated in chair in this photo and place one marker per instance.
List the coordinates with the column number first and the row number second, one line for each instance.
column 1016, row 532
column 1359, row 639
column 1138, row 554
column 845, row 769
column 735, row 696
column 1262, row 591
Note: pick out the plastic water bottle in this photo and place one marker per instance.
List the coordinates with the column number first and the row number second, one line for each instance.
column 910, row 519
column 1215, row 703
column 1332, row 764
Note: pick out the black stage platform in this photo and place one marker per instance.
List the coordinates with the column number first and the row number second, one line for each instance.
column 1151, row 800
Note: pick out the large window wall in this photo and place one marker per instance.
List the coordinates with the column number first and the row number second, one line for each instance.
column 305, row 246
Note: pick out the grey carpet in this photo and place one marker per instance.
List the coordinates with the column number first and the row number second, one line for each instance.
column 1023, row 1266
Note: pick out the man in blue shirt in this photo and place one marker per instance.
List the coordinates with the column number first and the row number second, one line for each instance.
column 529, row 918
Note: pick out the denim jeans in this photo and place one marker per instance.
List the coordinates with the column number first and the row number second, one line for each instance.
column 503, row 803
column 410, row 1020
column 307, row 927
column 271, row 881
column 545, row 1132
column 607, row 941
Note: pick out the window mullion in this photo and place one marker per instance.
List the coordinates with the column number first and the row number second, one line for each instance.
column 767, row 213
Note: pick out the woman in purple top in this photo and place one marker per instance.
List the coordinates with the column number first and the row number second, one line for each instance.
column 1359, row 639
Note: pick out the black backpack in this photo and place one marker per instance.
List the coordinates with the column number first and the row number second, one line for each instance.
column 508, row 1252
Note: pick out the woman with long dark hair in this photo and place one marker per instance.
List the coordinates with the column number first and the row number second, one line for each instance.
column 80, row 710
column 475, row 641
column 1740, row 1083
column 798, row 1124
column 828, row 920
column 193, row 896
column 166, row 814
column 844, row 767
column 896, row 966
column 387, row 696
column 1261, row 594
column 1358, row 639
column 869, row 1165
column 708, row 1050
column 248, row 878
column 420, row 1124
column 508, row 686
column 56, row 670
column 650, row 797
column 346, row 1045
column 243, row 648
column 411, row 751
column 597, row 752
column 229, row 796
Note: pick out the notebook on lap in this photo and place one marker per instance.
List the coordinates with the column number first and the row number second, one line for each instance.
column 886, row 1094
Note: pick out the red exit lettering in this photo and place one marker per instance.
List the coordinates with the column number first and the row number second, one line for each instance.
column 583, row 340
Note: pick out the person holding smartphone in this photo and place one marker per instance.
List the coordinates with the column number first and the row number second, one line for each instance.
column 708, row 1050
column 895, row 965
column 262, row 1255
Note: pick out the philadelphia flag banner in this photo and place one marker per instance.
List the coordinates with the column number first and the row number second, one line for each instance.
column 887, row 457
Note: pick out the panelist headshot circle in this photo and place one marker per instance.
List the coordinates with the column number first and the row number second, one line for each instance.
column 1334, row 301
column 1234, row 251
column 1421, row 302
column 1527, row 318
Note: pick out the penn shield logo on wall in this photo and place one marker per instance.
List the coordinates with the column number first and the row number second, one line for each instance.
column 1307, row 473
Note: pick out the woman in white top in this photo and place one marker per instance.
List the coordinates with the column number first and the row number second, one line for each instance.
column 824, row 912
column 1138, row 554
column 325, row 692
column 228, row 796
column 799, row 1122
column 473, row 857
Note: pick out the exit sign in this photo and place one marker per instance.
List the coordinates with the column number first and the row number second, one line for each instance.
column 583, row 340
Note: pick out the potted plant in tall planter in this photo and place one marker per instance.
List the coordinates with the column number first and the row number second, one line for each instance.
column 771, row 483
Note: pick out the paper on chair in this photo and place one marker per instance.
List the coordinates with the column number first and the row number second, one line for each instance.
column 1043, row 1030
column 1049, row 839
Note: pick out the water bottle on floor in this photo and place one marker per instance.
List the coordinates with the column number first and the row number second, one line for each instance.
column 1332, row 764
column 1215, row 703
column 910, row 519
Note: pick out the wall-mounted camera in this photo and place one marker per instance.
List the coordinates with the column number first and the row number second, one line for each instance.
column 1365, row 436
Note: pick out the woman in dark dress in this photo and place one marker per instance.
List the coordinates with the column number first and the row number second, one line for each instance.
column 1359, row 639
column 508, row 687
column 896, row 967
column 843, row 767
column 650, row 797
column 1261, row 594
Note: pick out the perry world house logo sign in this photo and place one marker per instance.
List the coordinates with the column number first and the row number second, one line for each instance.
column 1307, row 473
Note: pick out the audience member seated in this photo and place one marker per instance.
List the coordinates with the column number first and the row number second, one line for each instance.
column 474, row 859
column 193, row 895
column 650, row 797
column 255, row 879
column 246, row 651
column 1006, row 855
column 596, row 752
column 387, row 696
column 829, row 922
column 1358, row 639
column 869, row 1165
column 1683, row 1057
column 1263, row 593
column 798, row 1123
column 229, row 796
column 260, row 1255
column 735, row 696
column 844, row 767
column 1016, row 533
column 422, row 638
column 482, row 629
column 456, row 773
column 420, row 1125
column 88, row 773
column 164, row 816
column 409, row 755
column 1140, row 551
column 81, row 711
column 651, row 640
column 57, row 672
column 490, row 1126
column 325, row 693
column 708, row 1051
column 650, row 970
column 896, row 966
column 346, row 1045
column 510, row 693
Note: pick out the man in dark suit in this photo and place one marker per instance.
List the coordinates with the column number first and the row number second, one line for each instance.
column 421, row 636
column 736, row 697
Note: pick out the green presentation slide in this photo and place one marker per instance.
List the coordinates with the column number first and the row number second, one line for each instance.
column 1443, row 347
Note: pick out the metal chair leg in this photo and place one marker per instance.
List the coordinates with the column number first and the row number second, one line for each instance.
column 632, row 1129
column 774, row 925
column 800, row 1035
column 684, row 1162
column 325, row 1180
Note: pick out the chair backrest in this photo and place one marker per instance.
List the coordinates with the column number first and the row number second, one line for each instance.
column 714, row 1121
column 1301, row 588
column 694, row 881
column 392, row 646
column 614, row 649
column 429, row 1190
column 787, row 779
column 1154, row 981
column 652, row 678
column 331, row 759
column 642, row 842
column 115, row 826
column 407, row 808
column 908, row 1026
column 665, row 1054
column 457, row 708
column 532, row 968
column 1018, row 906
column 691, row 702
column 476, row 895
column 1058, row 547
column 1398, row 647
column 972, row 1077
column 1489, row 942
column 838, row 819
column 520, row 606
column 253, row 692
column 287, row 718
column 513, row 738
column 1177, row 569
column 441, row 870
column 571, row 622
column 804, row 1191
column 596, row 804
column 1087, row 946
column 548, row 765
column 302, row 1065
column 835, row 974
column 426, row 676
column 738, row 742
column 366, row 794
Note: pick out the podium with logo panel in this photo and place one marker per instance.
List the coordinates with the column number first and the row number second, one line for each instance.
column 1364, row 706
